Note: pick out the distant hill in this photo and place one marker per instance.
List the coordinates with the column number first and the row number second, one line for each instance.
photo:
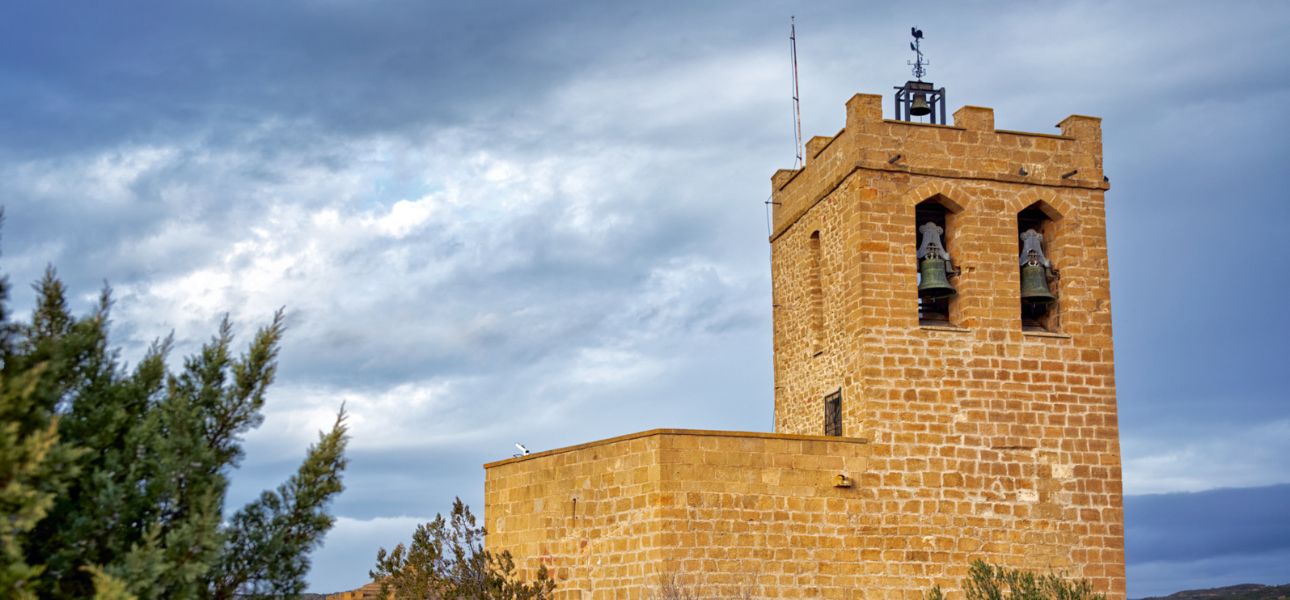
column 1244, row 591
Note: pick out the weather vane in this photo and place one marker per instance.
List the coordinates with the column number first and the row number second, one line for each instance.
column 919, row 64
column 918, row 98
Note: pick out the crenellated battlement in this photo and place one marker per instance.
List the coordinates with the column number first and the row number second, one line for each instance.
column 971, row 148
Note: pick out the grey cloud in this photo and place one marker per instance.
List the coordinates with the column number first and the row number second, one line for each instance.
column 619, row 279
column 1204, row 539
column 154, row 68
column 1208, row 524
column 101, row 75
column 1163, row 578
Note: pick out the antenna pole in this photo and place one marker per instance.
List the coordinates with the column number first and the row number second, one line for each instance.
column 797, row 101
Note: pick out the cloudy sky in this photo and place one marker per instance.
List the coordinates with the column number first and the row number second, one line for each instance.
column 543, row 222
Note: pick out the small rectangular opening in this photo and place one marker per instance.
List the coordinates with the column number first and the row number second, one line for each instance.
column 833, row 414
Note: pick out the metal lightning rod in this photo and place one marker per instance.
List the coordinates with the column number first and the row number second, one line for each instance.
column 797, row 100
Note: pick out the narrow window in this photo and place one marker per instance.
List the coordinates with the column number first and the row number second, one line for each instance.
column 816, row 295
column 935, row 267
column 1036, row 230
column 833, row 414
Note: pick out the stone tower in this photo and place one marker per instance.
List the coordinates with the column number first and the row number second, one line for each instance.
column 992, row 430
column 914, row 433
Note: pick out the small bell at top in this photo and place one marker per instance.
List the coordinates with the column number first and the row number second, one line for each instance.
column 920, row 107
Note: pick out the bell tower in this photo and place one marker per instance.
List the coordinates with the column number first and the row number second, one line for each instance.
column 942, row 290
column 944, row 389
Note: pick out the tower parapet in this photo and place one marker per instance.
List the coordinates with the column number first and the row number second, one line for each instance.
column 971, row 148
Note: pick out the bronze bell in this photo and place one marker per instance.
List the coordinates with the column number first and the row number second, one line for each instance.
column 1034, row 284
column 920, row 107
column 933, row 280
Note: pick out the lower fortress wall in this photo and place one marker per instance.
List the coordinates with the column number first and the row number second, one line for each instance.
column 735, row 513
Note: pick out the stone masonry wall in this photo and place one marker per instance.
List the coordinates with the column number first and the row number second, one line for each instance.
column 370, row 591
column 724, row 512
column 987, row 441
column 588, row 512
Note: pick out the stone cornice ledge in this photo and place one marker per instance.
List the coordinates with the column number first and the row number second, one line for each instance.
column 693, row 432
column 862, row 165
column 1001, row 177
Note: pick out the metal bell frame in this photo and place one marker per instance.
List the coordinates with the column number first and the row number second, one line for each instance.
column 917, row 94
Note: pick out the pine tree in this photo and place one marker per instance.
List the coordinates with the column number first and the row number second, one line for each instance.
column 115, row 480
column 34, row 466
column 268, row 543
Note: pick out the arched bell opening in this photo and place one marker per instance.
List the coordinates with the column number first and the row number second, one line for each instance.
column 934, row 221
column 1038, row 264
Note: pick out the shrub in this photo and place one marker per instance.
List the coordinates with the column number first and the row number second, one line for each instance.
column 994, row 582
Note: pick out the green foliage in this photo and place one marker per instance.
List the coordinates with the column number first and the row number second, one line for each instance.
column 447, row 561
column 34, row 466
column 993, row 582
column 269, row 540
column 107, row 587
column 115, row 479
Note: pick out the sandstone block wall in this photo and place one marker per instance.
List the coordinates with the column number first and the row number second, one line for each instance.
column 588, row 512
column 724, row 511
column 371, row 591
column 995, row 442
